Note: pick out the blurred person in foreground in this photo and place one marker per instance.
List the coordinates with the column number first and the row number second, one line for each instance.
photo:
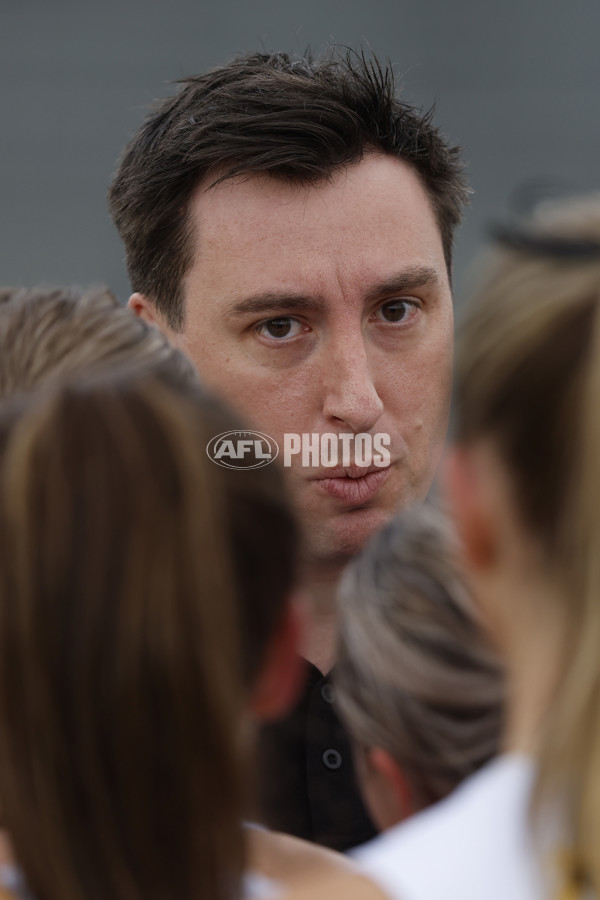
column 289, row 224
column 524, row 484
column 419, row 690
column 121, row 752
column 49, row 335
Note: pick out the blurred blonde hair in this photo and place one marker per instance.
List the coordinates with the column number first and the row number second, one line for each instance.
column 528, row 379
column 51, row 332
column 414, row 675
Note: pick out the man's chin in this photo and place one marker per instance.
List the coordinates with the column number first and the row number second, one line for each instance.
column 337, row 540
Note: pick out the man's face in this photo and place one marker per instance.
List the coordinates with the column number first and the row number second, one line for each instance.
column 327, row 308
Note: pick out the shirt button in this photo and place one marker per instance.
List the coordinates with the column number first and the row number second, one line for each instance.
column 332, row 759
column 327, row 693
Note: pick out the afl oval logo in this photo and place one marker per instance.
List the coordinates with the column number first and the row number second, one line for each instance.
column 242, row 449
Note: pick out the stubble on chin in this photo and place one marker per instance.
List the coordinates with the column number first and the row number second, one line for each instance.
column 331, row 544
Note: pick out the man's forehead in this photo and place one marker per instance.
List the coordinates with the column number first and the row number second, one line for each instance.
column 380, row 189
column 260, row 239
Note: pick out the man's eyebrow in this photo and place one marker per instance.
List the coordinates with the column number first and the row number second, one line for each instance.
column 403, row 282
column 273, row 302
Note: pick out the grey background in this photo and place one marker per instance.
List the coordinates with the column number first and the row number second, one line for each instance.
column 515, row 82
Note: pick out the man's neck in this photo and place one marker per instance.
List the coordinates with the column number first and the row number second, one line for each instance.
column 320, row 641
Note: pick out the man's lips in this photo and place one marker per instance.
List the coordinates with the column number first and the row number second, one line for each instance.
column 355, row 485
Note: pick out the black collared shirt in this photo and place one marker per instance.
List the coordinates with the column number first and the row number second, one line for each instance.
column 307, row 783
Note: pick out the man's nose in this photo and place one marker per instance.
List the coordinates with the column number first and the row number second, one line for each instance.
column 350, row 397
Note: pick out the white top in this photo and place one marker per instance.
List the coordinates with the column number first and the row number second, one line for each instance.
column 474, row 845
column 257, row 887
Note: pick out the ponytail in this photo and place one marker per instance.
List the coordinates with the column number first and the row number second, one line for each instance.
column 570, row 758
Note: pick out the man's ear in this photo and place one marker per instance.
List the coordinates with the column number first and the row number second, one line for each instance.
column 144, row 308
column 279, row 681
column 400, row 803
column 472, row 514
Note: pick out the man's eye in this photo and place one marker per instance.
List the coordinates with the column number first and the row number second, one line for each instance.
column 398, row 310
column 280, row 328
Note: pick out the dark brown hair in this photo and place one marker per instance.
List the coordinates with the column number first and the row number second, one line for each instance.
column 121, row 689
column 414, row 674
column 295, row 119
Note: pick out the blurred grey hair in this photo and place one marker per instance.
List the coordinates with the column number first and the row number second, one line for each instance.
column 55, row 332
column 414, row 675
